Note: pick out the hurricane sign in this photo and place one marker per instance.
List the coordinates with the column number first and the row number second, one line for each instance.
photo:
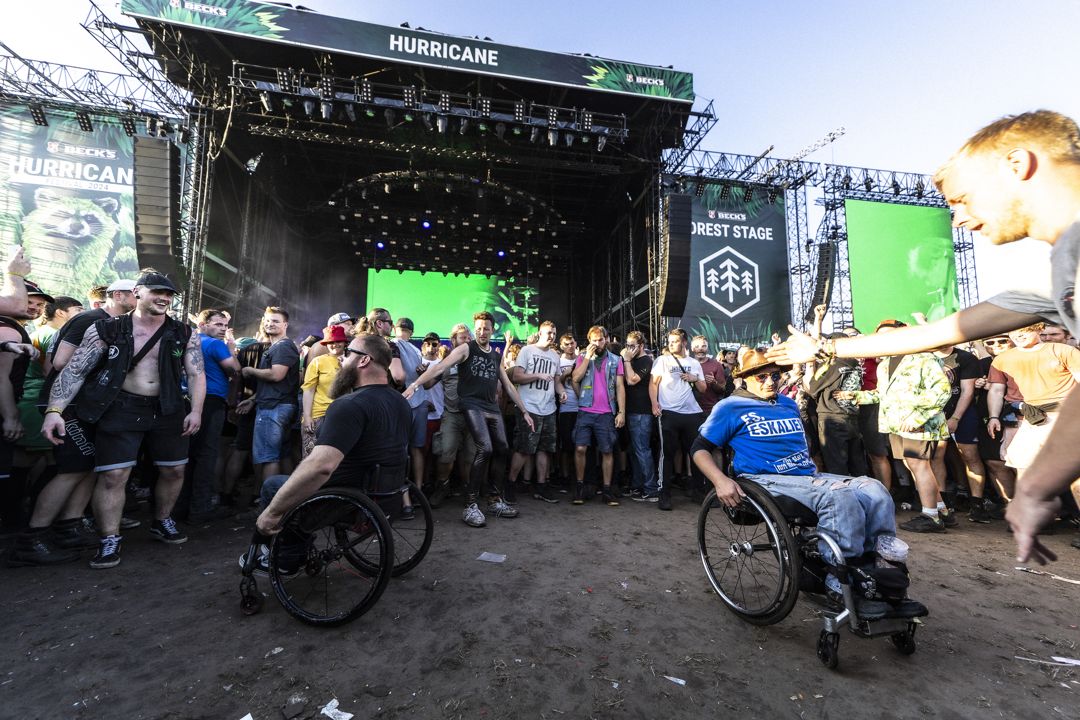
column 730, row 281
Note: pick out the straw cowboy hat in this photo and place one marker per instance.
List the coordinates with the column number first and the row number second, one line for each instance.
column 753, row 362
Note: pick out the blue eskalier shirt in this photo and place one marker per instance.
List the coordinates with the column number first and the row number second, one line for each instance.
column 767, row 436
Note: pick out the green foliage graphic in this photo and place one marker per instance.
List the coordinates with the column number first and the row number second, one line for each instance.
column 242, row 16
column 619, row 76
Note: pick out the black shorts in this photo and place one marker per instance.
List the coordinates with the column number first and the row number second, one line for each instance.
column 903, row 447
column 990, row 448
column 875, row 441
column 967, row 430
column 565, row 433
column 245, row 431
column 77, row 453
column 130, row 420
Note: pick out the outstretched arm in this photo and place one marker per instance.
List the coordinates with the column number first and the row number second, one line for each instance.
column 435, row 370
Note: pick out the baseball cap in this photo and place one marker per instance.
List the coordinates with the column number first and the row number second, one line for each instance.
column 121, row 285
column 156, row 281
column 406, row 323
column 339, row 318
column 431, row 337
column 32, row 288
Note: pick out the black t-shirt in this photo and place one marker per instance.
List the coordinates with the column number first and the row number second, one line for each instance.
column 843, row 374
column 370, row 426
column 959, row 365
column 637, row 396
column 73, row 331
column 284, row 391
column 478, row 379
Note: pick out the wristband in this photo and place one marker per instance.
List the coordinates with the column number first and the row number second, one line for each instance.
column 18, row 275
column 994, row 417
column 54, row 409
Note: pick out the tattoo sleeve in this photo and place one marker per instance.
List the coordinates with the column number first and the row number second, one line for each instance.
column 193, row 357
column 82, row 363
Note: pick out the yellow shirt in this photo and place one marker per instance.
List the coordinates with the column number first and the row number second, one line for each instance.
column 320, row 376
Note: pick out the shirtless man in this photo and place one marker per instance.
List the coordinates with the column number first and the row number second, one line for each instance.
column 128, row 370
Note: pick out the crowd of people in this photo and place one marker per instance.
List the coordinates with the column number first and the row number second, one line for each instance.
column 113, row 401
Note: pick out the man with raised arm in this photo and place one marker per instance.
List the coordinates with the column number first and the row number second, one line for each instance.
column 480, row 371
column 1017, row 177
column 125, row 376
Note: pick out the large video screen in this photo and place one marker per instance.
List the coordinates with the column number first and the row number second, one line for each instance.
column 435, row 303
column 902, row 262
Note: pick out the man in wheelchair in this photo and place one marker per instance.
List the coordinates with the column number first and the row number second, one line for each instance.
column 363, row 439
column 766, row 434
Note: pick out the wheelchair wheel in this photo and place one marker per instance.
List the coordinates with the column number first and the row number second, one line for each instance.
column 905, row 641
column 411, row 538
column 828, row 649
column 749, row 555
column 333, row 557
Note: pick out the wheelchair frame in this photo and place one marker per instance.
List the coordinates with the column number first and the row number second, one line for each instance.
column 792, row 541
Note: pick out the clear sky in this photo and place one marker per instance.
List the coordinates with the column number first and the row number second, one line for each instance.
column 909, row 81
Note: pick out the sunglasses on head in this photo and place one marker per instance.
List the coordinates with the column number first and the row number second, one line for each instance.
column 999, row 341
column 775, row 376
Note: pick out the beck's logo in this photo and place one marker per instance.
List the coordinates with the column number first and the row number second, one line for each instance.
column 729, row 281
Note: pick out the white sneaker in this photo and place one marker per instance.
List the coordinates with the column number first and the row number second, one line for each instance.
column 473, row 517
column 500, row 508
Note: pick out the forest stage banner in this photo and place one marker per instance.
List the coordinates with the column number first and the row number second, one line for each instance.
column 739, row 290
column 66, row 196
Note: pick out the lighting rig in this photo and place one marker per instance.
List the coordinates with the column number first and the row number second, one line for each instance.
column 322, row 98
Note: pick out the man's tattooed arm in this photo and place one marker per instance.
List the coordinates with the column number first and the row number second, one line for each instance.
column 82, row 363
column 193, row 357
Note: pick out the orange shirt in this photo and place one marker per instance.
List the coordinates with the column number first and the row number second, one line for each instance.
column 1043, row 374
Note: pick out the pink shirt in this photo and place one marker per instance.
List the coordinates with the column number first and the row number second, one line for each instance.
column 601, row 402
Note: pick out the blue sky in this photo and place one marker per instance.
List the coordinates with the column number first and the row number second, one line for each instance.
column 909, row 81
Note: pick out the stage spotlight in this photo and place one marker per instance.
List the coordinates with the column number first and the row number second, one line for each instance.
column 426, row 224
column 326, row 109
column 367, row 93
column 309, row 107
column 449, row 188
column 895, row 187
column 350, row 112
column 772, row 195
column 868, row 184
column 534, row 135
column 386, row 188
column 748, row 195
column 381, row 245
column 699, row 189
column 129, row 125
column 444, row 102
column 920, row 189
column 586, row 121
column 443, row 123
column 846, row 183
column 390, row 117
column 253, row 164
column 501, row 253
column 725, row 192
column 464, row 125
column 500, row 130
column 553, row 117
column 84, row 121
column 363, row 194
column 484, row 105
column 519, row 111
column 600, row 143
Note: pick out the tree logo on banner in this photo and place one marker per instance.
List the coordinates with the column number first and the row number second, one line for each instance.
column 729, row 281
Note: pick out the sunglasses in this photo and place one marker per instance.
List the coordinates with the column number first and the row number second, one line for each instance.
column 350, row 351
column 1002, row 341
column 774, row 376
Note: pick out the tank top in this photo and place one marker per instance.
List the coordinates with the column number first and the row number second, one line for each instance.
column 478, row 378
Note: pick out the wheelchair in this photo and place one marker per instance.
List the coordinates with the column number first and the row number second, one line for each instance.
column 337, row 551
column 759, row 555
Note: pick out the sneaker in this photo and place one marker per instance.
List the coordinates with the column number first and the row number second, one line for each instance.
column 473, row 517
column 33, row 548
column 579, row 494
column 142, row 494
column 611, row 497
column 108, row 554
column 996, row 512
column 948, row 518
column 543, row 492
column 908, row 608
column 649, row 497
column 500, row 508
column 127, row 523
column 165, row 531
column 922, row 523
column 72, row 535
column 635, row 494
column 978, row 513
column 407, row 513
column 664, row 501
column 262, row 565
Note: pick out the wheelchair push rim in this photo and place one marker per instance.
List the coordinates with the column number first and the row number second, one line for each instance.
column 314, row 567
column 749, row 555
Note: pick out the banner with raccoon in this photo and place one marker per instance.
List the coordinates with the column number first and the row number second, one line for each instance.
column 739, row 290
column 66, row 196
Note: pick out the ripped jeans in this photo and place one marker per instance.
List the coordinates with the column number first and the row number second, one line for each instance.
column 853, row 510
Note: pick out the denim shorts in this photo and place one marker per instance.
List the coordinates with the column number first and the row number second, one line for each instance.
column 595, row 428
column 272, row 426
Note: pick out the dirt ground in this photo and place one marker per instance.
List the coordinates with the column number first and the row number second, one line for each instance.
column 592, row 608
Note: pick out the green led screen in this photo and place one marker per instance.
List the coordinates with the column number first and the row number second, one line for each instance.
column 901, row 260
column 435, row 303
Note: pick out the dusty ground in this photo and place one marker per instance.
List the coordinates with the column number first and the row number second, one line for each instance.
column 592, row 608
